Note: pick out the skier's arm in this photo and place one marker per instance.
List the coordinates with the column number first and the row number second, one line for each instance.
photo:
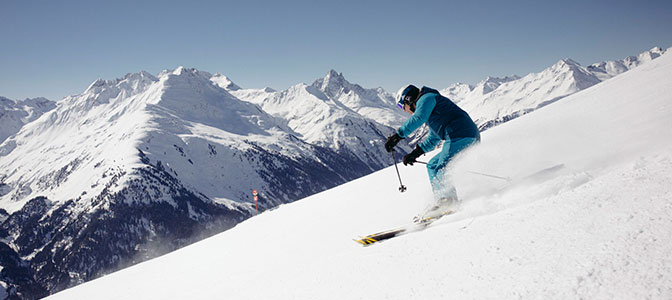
column 430, row 142
column 423, row 109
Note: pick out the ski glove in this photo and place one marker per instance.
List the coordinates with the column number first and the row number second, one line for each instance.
column 392, row 141
column 409, row 159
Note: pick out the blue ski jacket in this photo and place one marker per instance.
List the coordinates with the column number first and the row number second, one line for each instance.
column 444, row 118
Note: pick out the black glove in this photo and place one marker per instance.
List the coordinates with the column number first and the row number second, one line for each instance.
column 409, row 159
column 392, row 141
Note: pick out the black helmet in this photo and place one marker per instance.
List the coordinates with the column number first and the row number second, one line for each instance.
column 408, row 94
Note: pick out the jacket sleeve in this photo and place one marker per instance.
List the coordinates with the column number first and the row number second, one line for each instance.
column 423, row 109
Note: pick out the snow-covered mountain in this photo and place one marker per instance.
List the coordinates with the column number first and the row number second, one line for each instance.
column 456, row 91
column 141, row 165
column 332, row 112
column 15, row 114
column 594, row 225
column 490, row 84
column 375, row 104
column 608, row 69
column 224, row 82
column 497, row 100
column 517, row 97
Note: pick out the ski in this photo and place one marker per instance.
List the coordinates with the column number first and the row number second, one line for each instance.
column 388, row 234
column 381, row 236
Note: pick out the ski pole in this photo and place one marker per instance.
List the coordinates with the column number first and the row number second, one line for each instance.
column 477, row 173
column 402, row 188
column 488, row 175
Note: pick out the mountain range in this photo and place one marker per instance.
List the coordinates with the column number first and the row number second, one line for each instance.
column 141, row 165
column 138, row 166
column 497, row 100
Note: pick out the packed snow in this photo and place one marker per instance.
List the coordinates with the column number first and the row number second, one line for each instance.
column 581, row 210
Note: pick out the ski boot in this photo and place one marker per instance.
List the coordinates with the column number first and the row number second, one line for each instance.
column 437, row 210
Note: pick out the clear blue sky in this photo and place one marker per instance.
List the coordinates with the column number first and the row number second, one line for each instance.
column 57, row 48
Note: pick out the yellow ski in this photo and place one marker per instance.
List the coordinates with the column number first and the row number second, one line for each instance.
column 388, row 234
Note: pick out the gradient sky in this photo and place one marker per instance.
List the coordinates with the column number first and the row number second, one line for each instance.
column 57, row 48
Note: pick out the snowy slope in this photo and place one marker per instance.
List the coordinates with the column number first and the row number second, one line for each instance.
column 597, row 226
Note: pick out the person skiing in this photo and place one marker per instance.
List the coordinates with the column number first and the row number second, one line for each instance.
column 447, row 122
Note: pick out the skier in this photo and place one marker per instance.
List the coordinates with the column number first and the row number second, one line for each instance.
column 446, row 122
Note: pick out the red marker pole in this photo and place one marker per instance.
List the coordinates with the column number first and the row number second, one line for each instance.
column 254, row 193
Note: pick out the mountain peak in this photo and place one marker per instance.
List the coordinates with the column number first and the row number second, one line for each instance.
column 657, row 50
column 568, row 62
column 649, row 55
column 133, row 78
column 499, row 80
column 224, row 82
column 38, row 102
column 182, row 71
column 96, row 83
column 565, row 65
column 178, row 71
column 334, row 78
column 333, row 84
column 491, row 83
column 333, row 74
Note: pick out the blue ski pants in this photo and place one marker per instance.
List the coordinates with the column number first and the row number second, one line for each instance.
column 436, row 167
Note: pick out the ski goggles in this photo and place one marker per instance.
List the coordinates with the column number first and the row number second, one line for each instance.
column 400, row 104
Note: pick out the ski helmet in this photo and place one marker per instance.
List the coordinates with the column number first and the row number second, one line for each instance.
column 408, row 94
